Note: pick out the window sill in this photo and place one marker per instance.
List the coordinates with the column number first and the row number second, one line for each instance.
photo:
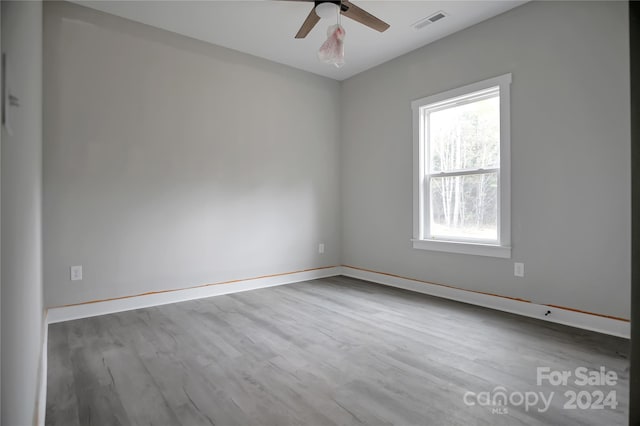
column 489, row 250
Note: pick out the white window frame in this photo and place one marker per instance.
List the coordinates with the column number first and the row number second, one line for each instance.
column 421, row 239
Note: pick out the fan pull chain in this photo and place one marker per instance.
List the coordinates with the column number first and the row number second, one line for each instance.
column 340, row 13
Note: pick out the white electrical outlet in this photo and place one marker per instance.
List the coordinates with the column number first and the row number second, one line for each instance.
column 518, row 269
column 321, row 248
column 76, row 273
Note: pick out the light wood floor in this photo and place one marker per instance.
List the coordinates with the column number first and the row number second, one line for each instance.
column 325, row 352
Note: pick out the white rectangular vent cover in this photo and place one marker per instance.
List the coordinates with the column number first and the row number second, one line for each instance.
column 429, row 20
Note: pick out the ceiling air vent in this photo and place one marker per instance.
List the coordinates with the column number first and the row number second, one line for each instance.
column 429, row 20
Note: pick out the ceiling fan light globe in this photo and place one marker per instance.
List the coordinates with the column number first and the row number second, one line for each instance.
column 327, row 10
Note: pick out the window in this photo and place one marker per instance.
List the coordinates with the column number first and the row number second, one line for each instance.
column 462, row 170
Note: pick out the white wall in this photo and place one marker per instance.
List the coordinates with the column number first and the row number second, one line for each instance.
column 570, row 155
column 21, row 178
column 170, row 163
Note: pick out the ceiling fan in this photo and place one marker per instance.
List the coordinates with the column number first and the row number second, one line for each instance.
column 347, row 9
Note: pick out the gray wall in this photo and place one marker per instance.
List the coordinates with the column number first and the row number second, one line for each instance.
column 169, row 162
column 634, row 356
column 21, row 176
column 1, row 133
column 570, row 155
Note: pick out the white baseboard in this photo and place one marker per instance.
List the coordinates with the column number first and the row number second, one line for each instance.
column 582, row 320
column 85, row 310
column 41, row 409
column 558, row 315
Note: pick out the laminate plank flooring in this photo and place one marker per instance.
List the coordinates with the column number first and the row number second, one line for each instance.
column 334, row 351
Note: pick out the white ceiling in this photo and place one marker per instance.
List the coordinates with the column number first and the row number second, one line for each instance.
column 266, row 28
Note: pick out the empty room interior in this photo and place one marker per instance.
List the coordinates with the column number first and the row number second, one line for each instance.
column 316, row 213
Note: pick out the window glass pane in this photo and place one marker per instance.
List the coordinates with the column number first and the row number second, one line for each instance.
column 466, row 136
column 465, row 206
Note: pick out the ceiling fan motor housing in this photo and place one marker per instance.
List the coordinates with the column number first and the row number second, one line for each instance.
column 346, row 8
column 336, row 2
column 329, row 8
